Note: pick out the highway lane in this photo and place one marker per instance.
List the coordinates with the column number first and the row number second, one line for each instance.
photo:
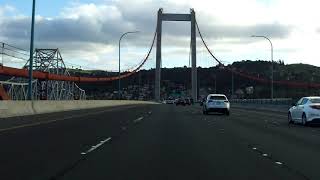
column 54, row 141
column 296, row 145
column 181, row 143
column 159, row 142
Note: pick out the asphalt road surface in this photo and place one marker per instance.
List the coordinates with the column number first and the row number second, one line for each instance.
column 157, row 142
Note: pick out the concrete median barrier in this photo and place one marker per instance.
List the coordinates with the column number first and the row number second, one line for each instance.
column 22, row 108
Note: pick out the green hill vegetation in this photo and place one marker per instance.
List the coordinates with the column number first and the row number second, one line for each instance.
column 181, row 77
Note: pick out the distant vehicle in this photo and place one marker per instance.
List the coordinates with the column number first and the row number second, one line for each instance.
column 191, row 100
column 169, row 101
column 216, row 103
column 188, row 101
column 180, row 101
column 202, row 101
column 305, row 111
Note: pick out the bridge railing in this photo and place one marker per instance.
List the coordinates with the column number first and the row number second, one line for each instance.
column 276, row 101
column 277, row 105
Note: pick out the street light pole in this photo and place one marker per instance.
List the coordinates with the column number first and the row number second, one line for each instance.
column 215, row 84
column 271, row 62
column 232, row 85
column 2, row 51
column 31, row 52
column 119, row 85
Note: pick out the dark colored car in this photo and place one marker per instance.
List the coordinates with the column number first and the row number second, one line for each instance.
column 188, row 101
column 202, row 101
column 191, row 100
column 180, row 101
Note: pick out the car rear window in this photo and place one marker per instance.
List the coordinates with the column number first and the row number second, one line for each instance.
column 315, row 100
column 217, row 98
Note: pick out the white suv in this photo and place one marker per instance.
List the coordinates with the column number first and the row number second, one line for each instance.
column 216, row 103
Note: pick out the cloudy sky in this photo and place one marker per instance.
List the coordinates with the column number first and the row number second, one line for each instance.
column 87, row 31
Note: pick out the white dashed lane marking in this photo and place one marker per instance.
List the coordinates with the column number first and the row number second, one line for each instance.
column 275, row 123
column 123, row 128
column 138, row 120
column 277, row 162
column 109, row 138
column 96, row 146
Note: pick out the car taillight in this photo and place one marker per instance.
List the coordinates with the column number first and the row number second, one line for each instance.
column 226, row 101
column 315, row 106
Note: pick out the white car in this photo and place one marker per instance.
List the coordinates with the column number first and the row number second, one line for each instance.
column 216, row 103
column 170, row 101
column 306, row 110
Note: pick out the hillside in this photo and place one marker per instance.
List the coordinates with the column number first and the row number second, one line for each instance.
column 177, row 81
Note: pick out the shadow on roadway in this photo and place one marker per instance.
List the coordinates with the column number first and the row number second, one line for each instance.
column 215, row 114
column 310, row 125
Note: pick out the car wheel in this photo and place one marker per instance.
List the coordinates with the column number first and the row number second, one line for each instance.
column 290, row 118
column 304, row 119
column 204, row 110
column 227, row 113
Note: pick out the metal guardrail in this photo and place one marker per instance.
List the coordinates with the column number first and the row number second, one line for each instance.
column 277, row 101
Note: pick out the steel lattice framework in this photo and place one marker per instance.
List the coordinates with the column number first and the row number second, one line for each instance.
column 18, row 90
column 49, row 61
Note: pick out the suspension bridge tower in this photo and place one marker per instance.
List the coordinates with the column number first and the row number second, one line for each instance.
column 176, row 17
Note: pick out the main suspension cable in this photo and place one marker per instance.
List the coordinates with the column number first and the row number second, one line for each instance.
column 206, row 44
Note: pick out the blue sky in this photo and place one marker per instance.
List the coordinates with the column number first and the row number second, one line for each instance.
column 87, row 31
column 44, row 7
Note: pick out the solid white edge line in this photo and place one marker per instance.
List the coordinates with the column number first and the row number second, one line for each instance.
column 61, row 119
